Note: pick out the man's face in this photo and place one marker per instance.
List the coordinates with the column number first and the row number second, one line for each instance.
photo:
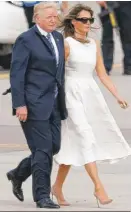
column 47, row 19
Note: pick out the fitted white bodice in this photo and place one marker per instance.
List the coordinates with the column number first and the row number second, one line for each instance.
column 82, row 59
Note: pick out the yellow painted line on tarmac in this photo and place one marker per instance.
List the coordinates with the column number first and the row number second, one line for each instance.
column 4, row 76
column 13, row 146
column 119, row 65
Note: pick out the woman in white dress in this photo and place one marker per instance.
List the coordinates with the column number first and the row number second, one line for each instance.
column 90, row 132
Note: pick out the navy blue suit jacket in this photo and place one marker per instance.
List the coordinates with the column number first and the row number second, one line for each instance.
column 34, row 74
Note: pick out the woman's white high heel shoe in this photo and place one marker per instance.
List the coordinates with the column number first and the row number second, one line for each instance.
column 101, row 201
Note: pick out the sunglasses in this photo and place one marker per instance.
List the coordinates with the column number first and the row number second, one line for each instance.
column 85, row 20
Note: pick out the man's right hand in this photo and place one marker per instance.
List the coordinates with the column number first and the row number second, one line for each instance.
column 21, row 113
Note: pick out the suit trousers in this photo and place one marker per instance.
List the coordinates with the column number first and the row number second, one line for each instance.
column 43, row 138
column 123, row 16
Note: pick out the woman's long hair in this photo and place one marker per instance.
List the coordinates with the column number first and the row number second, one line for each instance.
column 66, row 25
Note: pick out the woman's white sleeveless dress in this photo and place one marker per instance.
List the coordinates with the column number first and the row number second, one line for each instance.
column 90, row 132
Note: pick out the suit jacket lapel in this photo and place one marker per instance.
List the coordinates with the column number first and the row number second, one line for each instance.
column 58, row 46
column 60, row 69
column 43, row 39
column 60, row 49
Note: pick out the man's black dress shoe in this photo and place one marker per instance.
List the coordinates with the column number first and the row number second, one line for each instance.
column 16, row 185
column 47, row 203
column 7, row 91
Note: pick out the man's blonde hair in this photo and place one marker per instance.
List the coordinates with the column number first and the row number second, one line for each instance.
column 40, row 7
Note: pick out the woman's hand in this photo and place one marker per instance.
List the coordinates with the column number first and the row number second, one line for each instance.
column 123, row 104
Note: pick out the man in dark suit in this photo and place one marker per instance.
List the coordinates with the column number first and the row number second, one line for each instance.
column 37, row 78
column 122, row 11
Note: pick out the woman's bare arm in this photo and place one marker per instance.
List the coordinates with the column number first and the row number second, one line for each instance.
column 105, row 79
column 67, row 50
